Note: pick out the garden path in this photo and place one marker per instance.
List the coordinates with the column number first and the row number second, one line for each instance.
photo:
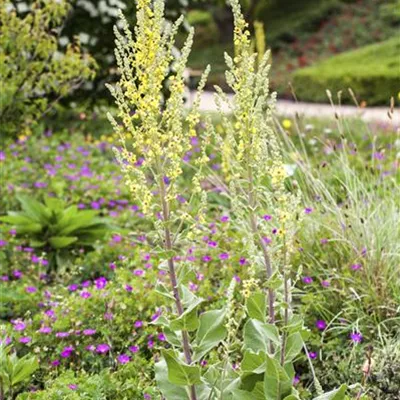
column 290, row 109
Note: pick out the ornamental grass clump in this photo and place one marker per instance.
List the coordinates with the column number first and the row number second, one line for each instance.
column 199, row 361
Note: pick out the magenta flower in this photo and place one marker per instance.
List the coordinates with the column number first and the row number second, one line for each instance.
column 100, row 282
column 19, row 326
column 211, row 243
column 267, row 217
column 161, row 337
column 223, row 256
column 138, row 324
column 308, row 210
column 356, row 337
column 25, row 339
column 312, row 355
column 73, row 287
column 325, row 283
column 62, row 334
column 55, row 363
column 356, row 267
column 206, row 258
column 134, row 349
column 85, row 294
column 89, row 332
column 123, row 358
column 67, row 352
column 102, row 348
column 307, row 280
column 224, row 218
column 320, row 324
column 72, row 386
column 45, row 329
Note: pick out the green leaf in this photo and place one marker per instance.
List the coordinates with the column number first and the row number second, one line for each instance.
column 210, row 333
column 277, row 383
column 294, row 344
column 337, row 394
column 59, row 242
column 180, row 373
column 34, row 209
column 253, row 362
column 292, row 397
column 169, row 390
column 14, row 218
column 188, row 321
column 23, row 369
column 35, row 227
column 256, row 394
column 256, row 306
column 257, row 335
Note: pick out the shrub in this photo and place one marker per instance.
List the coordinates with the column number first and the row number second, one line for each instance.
column 36, row 72
column 371, row 72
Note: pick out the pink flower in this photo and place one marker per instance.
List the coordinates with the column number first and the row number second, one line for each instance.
column 134, row 349
column 102, row 348
column 89, row 332
column 19, row 326
column 123, row 358
column 320, row 324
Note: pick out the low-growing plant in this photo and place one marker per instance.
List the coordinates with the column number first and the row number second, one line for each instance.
column 55, row 228
column 14, row 370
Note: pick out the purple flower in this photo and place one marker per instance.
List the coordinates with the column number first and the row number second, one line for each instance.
column 325, row 283
column 123, row 358
column 266, row 240
column 134, row 349
column 73, row 287
column 45, row 329
column 19, row 326
column 62, row 334
column 85, row 294
column 161, row 337
column 356, row 337
column 117, row 238
column 72, row 386
column 138, row 272
column 30, row 289
column 2, row 243
column 25, row 339
column 102, row 348
column 320, row 324
column 206, row 258
column 308, row 210
column 166, row 180
column 242, row 261
column 128, row 288
column 225, row 218
column 312, row 354
column 307, row 280
column 356, row 267
column 223, row 256
column 100, row 282
column 138, row 324
column 267, row 217
column 17, row 274
column 67, row 351
column 211, row 243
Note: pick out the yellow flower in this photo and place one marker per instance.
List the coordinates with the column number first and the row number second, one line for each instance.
column 287, row 123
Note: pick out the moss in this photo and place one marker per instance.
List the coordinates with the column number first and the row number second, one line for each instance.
column 372, row 72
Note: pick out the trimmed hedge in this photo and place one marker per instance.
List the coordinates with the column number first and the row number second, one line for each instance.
column 372, row 72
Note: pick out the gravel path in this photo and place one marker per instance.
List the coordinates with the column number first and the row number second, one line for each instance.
column 290, row 109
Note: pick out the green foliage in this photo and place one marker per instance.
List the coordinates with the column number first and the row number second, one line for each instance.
column 371, row 72
column 14, row 371
column 36, row 72
column 56, row 228
column 285, row 20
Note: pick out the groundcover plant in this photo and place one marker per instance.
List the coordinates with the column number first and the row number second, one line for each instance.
column 220, row 256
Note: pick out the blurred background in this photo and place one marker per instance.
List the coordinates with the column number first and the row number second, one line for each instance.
column 316, row 44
